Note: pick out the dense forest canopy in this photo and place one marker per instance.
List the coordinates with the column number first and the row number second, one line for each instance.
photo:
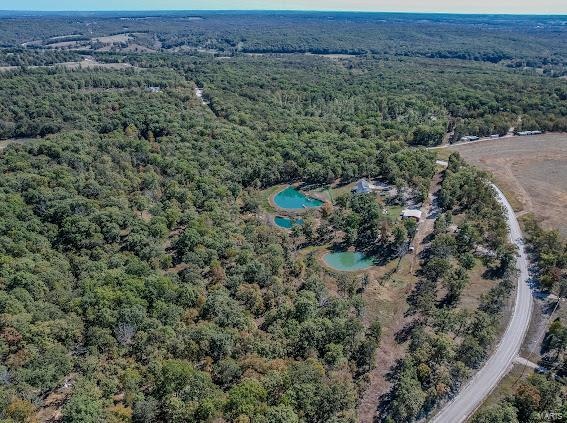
column 140, row 277
column 421, row 78
column 418, row 101
column 486, row 38
column 127, row 260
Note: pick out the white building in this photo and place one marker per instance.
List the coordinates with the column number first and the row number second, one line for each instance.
column 411, row 214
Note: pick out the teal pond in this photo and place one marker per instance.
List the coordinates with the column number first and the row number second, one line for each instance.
column 348, row 261
column 293, row 199
column 287, row 222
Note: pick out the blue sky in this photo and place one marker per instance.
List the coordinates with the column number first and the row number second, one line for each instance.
column 451, row 6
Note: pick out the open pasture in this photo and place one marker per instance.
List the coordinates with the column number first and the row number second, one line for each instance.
column 533, row 170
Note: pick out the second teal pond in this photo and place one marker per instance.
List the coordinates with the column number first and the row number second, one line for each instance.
column 348, row 261
column 286, row 222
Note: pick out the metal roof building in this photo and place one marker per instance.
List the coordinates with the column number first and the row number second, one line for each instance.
column 411, row 214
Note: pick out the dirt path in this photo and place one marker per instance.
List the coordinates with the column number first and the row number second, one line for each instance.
column 430, row 211
column 387, row 354
column 390, row 350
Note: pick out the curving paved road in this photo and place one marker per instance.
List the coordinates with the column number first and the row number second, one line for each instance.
column 486, row 379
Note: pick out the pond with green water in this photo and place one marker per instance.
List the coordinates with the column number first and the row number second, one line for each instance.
column 293, row 199
column 287, row 222
column 348, row 261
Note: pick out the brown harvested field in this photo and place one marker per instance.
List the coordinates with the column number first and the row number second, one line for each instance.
column 118, row 38
column 65, row 44
column 88, row 64
column 84, row 64
column 532, row 170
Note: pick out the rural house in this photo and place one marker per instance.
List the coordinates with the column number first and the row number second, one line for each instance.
column 364, row 187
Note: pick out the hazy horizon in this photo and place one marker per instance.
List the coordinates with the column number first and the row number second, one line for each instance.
column 544, row 7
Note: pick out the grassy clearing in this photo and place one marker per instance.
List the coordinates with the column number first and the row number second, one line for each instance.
column 394, row 211
column 478, row 285
column 118, row 38
column 264, row 198
column 331, row 193
column 531, row 171
column 443, row 153
column 511, row 197
column 384, row 299
column 6, row 143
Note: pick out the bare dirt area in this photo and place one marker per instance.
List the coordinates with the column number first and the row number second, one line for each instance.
column 118, row 38
column 89, row 64
column 6, row 143
column 385, row 301
column 83, row 64
column 532, row 170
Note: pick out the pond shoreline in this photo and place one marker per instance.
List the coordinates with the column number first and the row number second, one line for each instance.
column 294, row 221
column 294, row 211
column 326, row 251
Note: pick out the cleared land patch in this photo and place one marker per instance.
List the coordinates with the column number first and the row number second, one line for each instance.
column 532, row 169
column 118, row 38
column 84, row 64
column 6, row 143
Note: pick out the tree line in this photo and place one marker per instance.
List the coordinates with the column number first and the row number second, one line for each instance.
column 540, row 396
column 447, row 342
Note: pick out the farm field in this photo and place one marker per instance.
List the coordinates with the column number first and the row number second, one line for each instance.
column 533, row 170
column 83, row 64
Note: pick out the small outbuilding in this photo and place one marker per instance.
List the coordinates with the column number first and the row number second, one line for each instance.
column 411, row 214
